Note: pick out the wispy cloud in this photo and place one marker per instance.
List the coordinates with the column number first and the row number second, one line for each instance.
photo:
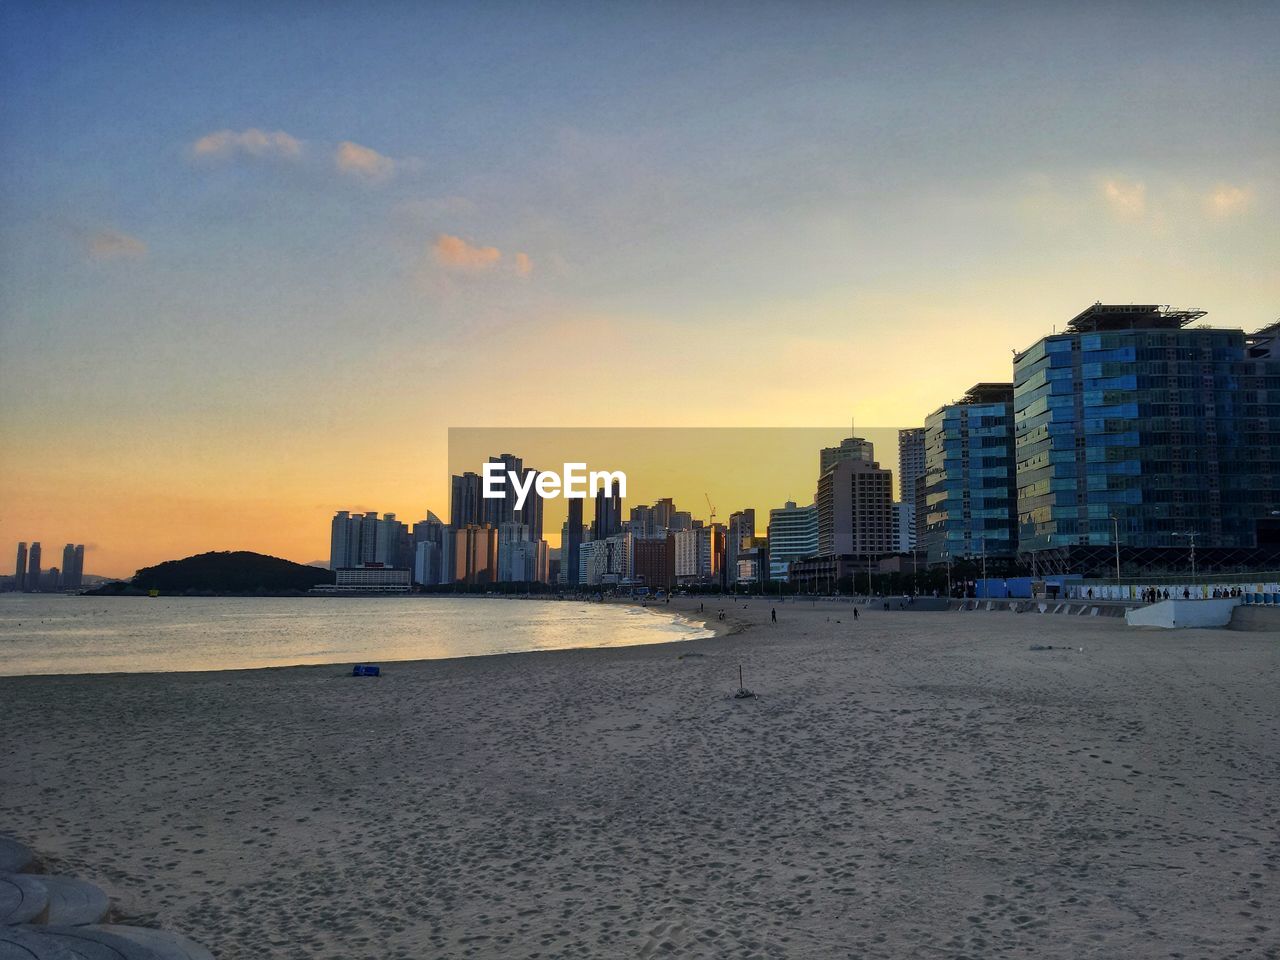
column 114, row 245
column 254, row 142
column 1226, row 200
column 524, row 266
column 454, row 253
column 358, row 161
column 1127, row 198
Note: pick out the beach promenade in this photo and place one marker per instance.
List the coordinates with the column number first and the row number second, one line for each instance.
column 910, row 785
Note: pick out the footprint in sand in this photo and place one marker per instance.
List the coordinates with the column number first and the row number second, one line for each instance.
column 664, row 938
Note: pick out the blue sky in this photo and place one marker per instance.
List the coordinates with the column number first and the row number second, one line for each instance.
column 293, row 228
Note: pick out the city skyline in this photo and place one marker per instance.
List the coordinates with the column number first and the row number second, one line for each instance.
column 254, row 275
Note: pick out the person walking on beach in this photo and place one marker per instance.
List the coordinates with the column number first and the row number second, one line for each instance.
column 774, row 614
column 855, row 614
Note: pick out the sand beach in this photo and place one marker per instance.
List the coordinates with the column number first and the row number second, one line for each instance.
column 914, row 784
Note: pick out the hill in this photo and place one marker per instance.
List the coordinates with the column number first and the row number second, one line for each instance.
column 228, row 571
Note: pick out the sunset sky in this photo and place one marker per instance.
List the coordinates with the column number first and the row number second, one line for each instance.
column 256, row 259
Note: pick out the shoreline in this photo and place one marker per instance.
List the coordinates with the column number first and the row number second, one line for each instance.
column 695, row 621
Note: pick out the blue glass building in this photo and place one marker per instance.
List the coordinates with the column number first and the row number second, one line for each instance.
column 1130, row 414
column 970, row 494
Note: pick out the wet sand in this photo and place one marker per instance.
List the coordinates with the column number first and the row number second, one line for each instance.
column 915, row 784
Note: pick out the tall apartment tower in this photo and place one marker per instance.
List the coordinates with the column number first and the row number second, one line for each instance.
column 340, row 540
column 465, row 500
column 608, row 514
column 1132, row 414
column 663, row 511
column 79, row 582
column 69, row 566
column 855, row 510
column 571, row 544
column 352, row 539
column 33, row 567
column 496, row 512
column 911, row 469
column 741, row 531
column 851, row 448
column 20, row 568
column 532, row 514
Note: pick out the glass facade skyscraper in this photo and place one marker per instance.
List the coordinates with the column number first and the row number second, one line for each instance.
column 1173, row 431
column 970, row 492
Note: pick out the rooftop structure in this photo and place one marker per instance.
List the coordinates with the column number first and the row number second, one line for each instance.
column 1131, row 316
column 988, row 393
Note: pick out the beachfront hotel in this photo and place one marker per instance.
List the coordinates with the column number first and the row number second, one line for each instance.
column 1133, row 426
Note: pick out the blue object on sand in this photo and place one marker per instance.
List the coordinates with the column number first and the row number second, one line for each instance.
column 366, row 670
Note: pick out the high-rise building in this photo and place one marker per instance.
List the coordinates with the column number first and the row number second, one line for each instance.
column 520, row 560
column 466, row 501
column 1130, row 414
column 741, row 533
column 700, row 554
column 571, row 542
column 33, row 567
column 904, row 522
column 475, row 554
column 359, row 539
column 428, row 560
column 79, row 565
column 653, row 561
column 607, row 561
column 69, row 566
column 793, row 535
column 855, row 509
column 392, row 545
column 340, row 529
column 20, row 568
column 608, row 514
column 367, row 543
column 534, row 509
column 500, row 510
column 911, row 469
column 663, row 511
column 970, row 486
column 851, row 448
column 642, row 523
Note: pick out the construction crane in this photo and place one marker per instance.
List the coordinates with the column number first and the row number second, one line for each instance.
column 712, row 506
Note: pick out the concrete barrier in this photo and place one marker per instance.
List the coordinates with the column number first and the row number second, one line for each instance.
column 1256, row 618
column 1172, row 614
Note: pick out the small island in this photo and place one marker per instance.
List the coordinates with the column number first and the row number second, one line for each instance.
column 220, row 573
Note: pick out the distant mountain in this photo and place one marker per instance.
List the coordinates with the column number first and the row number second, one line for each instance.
column 225, row 572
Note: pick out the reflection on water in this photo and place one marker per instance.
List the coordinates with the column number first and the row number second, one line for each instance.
column 56, row 634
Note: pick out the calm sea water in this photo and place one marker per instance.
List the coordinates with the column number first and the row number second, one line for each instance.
column 57, row 634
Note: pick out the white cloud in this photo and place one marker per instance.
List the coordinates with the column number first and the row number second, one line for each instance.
column 1126, row 197
column 114, row 245
column 455, row 253
column 1226, row 200
column 255, row 142
column 352, row 158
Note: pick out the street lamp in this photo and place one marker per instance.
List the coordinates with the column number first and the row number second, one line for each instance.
column 946, row 556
